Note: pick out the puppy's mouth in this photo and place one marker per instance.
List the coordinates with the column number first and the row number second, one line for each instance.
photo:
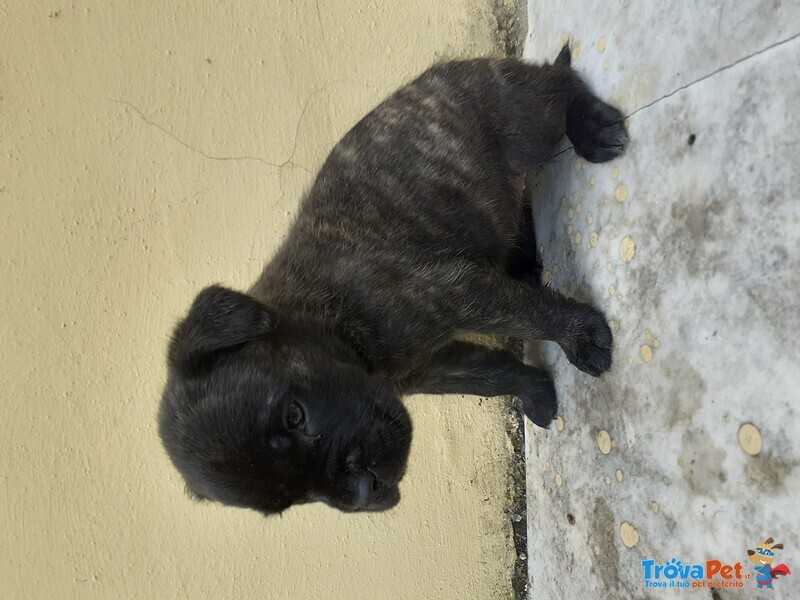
column 365, row 501
column 385, row 499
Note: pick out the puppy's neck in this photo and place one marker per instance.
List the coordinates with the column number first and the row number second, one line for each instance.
column 318, row 316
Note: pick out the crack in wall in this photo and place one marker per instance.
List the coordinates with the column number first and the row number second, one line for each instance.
column 287, row 163
column 715, row 72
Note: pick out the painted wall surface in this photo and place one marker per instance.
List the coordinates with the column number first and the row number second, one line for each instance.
column 146, row 150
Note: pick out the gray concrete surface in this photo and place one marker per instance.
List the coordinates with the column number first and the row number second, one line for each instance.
column 691, row 244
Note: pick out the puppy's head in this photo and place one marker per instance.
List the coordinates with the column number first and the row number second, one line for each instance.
column 265, row 415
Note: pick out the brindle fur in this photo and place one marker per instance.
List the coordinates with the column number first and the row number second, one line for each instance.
column 414, row 230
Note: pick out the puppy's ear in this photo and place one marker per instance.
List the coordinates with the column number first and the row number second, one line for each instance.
column 218, row 319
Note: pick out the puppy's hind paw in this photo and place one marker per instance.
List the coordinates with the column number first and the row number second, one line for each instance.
column 539, row 401
column 596, row 129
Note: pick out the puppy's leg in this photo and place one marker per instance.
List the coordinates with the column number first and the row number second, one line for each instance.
column 462, row 368
column 524, row 263
column 503, row 306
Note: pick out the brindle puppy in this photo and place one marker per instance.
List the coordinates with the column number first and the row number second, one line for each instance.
column 291, row 392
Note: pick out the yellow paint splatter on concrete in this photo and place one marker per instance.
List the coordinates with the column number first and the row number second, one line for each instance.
column 654, row 507
column 605, row 65
column 614, row 325
column 656, row 343
column 647, row 334
column 559, row 424
column 578, row 164
column 569, row 229
column 618, row 475
column 593, row 239
column 610, row 267
column 547, row 277
column 666, row 481
column 608, row 480
column 579, row 209
column 570, row 213
column 750, row 439
column 621, row 193
column 646, row 352
column 589, row 218
column 604, row 441
column 564, row 39
column 601, row 45
column 612, row 290
column 627, row 249
column 555, row 268
column 629, row 360
column 541, row 249
column 614, row 172
column 591, row 181
column 578, row 237
column 558, row 479
column 629, row 535
column 576, row 51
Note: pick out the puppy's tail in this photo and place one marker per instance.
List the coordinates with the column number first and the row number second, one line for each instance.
column 564, row 58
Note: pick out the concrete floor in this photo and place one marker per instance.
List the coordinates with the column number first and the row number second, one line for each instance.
column 687, row 448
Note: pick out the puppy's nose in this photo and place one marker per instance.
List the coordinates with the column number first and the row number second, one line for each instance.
column 364, row 485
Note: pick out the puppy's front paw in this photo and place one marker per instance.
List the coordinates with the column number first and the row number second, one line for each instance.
column 596, row 129
column 589, row 348
column 538, row 395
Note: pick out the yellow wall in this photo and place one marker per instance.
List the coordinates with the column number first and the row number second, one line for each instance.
column 147, row 149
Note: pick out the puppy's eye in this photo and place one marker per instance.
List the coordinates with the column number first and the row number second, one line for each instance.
column 295, row 416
